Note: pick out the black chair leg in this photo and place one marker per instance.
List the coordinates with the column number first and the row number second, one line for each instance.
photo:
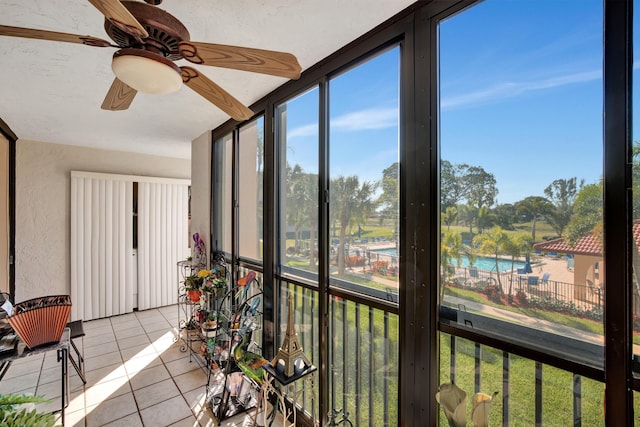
column 77, row 331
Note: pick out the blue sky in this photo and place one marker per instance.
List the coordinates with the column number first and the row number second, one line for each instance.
column 520, row 95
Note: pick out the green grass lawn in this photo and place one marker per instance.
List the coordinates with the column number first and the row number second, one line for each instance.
column 557, row 387
column 543, row 230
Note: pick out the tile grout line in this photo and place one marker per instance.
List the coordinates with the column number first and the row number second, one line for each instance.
column 133, row 395
column 176, row 339
column 198, row 416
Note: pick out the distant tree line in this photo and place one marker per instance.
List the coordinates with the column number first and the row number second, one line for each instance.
column 468, row 198
column 468, row 195
column 352, row 203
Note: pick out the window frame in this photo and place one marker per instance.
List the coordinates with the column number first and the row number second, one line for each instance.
column 419, row 326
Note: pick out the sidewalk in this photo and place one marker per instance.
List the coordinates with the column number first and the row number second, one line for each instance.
column 524, row 320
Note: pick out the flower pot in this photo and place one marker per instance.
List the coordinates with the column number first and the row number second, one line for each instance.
column 193, row 295
column 209, row 329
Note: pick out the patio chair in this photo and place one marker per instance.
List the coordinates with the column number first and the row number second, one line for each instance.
column 571, row 263
column 77, row 331
column 532, row 280
column 545, row 278
column 521, row 271
column 473, row 272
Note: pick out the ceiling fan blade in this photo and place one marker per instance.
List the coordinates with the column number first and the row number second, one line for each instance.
column 279, row 64
column 215, row 94
column 119, row 96
column 120, row 16
column 30, row 33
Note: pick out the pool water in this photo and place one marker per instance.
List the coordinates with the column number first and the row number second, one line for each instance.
column 482, row 263
column 489, row 264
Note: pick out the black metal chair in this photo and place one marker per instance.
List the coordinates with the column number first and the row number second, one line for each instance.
column 77, row 331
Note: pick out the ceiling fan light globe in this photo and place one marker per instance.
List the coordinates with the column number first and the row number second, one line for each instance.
column 147, row 74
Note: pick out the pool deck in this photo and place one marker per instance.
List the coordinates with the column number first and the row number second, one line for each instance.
column 556, row 267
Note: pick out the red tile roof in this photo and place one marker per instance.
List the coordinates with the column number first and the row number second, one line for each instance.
column 587, row 245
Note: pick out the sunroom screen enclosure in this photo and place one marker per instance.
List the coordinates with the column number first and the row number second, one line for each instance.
column 454, row 132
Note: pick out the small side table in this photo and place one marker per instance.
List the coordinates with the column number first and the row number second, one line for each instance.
column 276, row 383
column 62, row 348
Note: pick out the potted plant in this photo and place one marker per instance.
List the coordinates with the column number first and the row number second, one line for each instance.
column 210, row 325
column 19, row 410
column 193, row 285
column 215, row 283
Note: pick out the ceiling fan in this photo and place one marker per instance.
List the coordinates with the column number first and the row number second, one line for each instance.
column 149, row 41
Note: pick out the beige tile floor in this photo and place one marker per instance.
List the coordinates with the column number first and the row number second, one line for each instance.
column 136, row 376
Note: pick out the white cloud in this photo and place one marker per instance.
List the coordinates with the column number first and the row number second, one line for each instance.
column 511, row 89
column 372, row 118
column 369, row 119
column 306, row 130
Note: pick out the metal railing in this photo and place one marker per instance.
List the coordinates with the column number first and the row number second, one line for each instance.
column 531, row 288
column 363, row 355
column 529, row 392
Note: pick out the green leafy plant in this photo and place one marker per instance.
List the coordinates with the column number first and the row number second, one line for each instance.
column 17, row 410
column 193, row 282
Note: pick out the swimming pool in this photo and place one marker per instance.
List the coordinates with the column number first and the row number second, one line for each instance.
column 489, row 264
column 482, row 263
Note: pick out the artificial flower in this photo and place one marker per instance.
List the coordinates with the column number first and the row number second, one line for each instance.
column 481, row 403
column 454, row 403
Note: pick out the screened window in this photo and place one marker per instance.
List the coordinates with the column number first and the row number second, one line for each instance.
column 364, row 183
column 222, row 196
column 250, row 189
column 298, row 138
column 521, row 167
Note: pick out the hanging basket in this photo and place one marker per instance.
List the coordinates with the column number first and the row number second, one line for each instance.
column 40, row 321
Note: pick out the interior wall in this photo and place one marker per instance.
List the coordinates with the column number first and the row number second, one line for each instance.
column 4, row 214
column 43, row 206
column 201, row 188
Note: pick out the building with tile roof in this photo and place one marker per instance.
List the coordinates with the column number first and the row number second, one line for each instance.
column 585, row 257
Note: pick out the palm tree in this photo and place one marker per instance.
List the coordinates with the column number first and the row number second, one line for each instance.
column 493, row 242
column 517, row 246
column 449, row 216
column 295, row 200
column 310, row 212
column 562, row 193
column 467, row 214
column 536, row 207
column 451, row 248
column 485, row 218
column 352, row 204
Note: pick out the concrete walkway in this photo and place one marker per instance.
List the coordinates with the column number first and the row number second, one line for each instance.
column 524, row 320
column 559, row 271
column 539, row 324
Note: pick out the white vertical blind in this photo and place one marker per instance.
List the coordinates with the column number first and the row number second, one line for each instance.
column 101, row 246
column 162, row 241
column 103, row 269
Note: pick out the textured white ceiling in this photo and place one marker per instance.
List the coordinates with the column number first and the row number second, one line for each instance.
column 52, row 91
